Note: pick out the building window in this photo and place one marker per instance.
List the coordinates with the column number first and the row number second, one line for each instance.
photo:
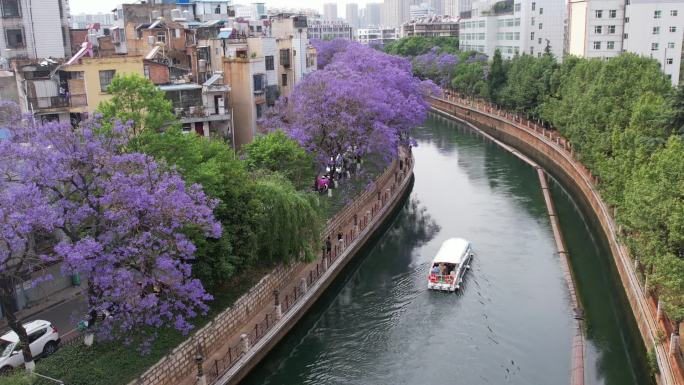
column 597, row 45
column 284, row 80
column 625, row 36
column 541, row 11
column 516, row 7
column 656, row 14
column 598, row 29
column 610, row 45
column 10, row 8
column 259, row 83
column 146, row 71
column 217, row 10
column 626, row 19
column 259, row 111
column 533, row 21
column 673, row 13
column 534, row 5
column 14, row 38
column 106, row 79
column 656, row 30
column 673, row 29
column 611, row 29
column 670, row 45
column 541, row 25
column 539, row 40
column 670, row 60
column 270, row 63
column 161, row 37
column 285, row 58
column 177, row 33
column 598, row 13
column 654, row 46
column 531, row 35
column 531, row 50
column 612, row 13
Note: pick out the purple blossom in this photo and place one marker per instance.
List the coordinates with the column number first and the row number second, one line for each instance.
column 362, row 102
column 119, row 218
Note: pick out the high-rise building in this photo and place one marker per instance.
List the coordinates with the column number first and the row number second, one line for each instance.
column 330, row 11
column 35, row 29
column 451, row 8
column 373, row 15
column 421, row 11
column 434, row 26
column 530, row 27
column 651, row 28
column 352, row 15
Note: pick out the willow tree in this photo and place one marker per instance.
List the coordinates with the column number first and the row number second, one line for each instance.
column 290, row 221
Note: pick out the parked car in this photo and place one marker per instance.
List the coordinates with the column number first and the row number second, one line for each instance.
column 43, row 340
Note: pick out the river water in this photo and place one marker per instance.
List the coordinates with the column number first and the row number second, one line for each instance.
column 378, row 324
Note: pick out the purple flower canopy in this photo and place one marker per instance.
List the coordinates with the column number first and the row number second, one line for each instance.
column 362, row 101
column 117, row 218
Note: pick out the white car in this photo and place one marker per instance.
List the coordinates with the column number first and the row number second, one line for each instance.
column 43, row 340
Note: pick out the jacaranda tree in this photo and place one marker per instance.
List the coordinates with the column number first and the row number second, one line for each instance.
column 363, row 101
column 120, row 221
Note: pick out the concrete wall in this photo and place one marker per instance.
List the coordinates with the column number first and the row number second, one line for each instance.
column 8, row 86
column 238, row 74
column 551, row 151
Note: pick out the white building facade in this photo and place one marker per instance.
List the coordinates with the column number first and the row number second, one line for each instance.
column 655, row 29
column 651, row 28
column 35, row 29
column 382, row 36
column 595, row 28
column 530, row 27
column 329, row 30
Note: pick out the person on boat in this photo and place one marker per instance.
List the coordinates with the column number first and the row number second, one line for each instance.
column 442, row 269
column 435, row 269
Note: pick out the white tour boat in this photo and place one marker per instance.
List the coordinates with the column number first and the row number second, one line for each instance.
column 450, row 265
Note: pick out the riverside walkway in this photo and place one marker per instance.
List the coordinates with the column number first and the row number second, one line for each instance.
column 226, row 349
column 549, row 146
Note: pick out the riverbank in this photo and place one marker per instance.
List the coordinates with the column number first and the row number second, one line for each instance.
column 556, row 155
column 237, row 338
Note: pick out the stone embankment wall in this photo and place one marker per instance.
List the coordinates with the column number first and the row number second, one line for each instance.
column 556, row 155
column 234, row 340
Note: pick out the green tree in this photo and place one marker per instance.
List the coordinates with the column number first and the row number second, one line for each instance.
column 496, row 79
column 469, row 79
column 290, row 221
column 529, row 83
column 418, row 45
column 264, row 218
column 677, row 104
column 213, row 164
column 278, row 153
column 138, row 100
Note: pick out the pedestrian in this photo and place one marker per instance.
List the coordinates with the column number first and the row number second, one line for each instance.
column 328, row 246
column 340, row 240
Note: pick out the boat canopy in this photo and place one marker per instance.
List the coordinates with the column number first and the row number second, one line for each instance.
column 453, row 250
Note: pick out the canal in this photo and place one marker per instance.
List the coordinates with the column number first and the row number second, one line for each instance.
column 511, row 324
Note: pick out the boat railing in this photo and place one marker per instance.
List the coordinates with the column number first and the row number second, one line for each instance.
column 442, row 278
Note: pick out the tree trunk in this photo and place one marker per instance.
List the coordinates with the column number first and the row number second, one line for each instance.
column 7, row 299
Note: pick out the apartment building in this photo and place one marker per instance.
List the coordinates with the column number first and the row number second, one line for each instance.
column 434, row 26
column 514, row 27
column 376, row 36
column 34, row 29
column 595, row 28
column 656, row 29
column 329, row 30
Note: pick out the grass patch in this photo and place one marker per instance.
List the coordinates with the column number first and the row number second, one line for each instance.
column 112, row 363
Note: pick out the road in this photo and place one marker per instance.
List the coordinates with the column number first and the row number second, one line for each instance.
column 63, row 316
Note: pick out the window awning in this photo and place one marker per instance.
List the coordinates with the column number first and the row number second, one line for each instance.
column 180, row 87
column 225, row 33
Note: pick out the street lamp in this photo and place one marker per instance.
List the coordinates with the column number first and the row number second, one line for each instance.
column 199, row 359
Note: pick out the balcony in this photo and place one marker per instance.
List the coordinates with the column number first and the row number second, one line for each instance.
column 57, row 102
